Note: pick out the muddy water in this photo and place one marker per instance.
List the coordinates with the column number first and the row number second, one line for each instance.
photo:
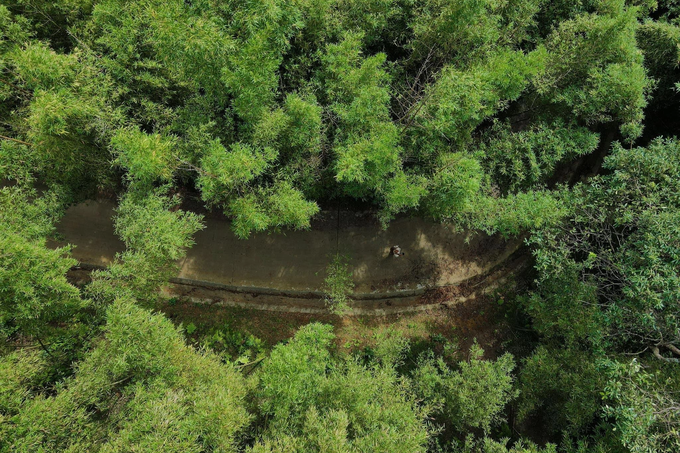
column 296, row 260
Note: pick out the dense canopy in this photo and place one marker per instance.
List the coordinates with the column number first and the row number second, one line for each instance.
column 554, row 121
column 271, row 110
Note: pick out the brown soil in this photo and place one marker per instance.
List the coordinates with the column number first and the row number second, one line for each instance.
column 477, row 319
column 297, row 260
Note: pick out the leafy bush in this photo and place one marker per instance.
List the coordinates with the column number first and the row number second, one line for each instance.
column 233, row 344
column 338, row 284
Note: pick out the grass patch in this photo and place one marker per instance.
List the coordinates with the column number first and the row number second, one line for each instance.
column 338, row 284
column 235, row 332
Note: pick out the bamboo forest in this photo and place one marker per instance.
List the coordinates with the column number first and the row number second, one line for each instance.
column 399, row 226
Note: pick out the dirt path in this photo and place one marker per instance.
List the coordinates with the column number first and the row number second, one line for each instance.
column 293, row 263
column 388, row 304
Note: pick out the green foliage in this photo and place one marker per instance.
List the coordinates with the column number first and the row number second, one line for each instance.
column 455, row 183
column 287, row 207
column 34, row 291
column 338, row 283
column 608, row 282
column 147, row 158
column 193, row 47
column 157, row 392
column 62, row 127
column 275, row 207
column 55, row 423
column 229, row 171
column 292, row 376
column 622, row 239
column 14, row 28
column 50, row 20
column 465, row 30
column 461, row 99
column 489, row 445
column 20, row 373
column 263, row 30
column 524, row 160
column 295, row 130
column 366, row 140
column 122, row 35
column 458, row 193
column 38, row 66
column 58, row 113
column 156, row 236
column 669, row 9
column 152, row 224
column 562, row 386
column 594, row 68
column 17, row 162
column 33, row 286
column 462, row 111
column 319, row 99
column 555, row 12
column 511, row 215
column 659, row 43
column 644, row 406
column 225, row 177
column 303, row 131
column 312, row 400
column 233, row 344
column 403, row 192
column 473, row 396
column 24, row 212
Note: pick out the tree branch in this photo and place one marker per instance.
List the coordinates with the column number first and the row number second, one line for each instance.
column 675, row 350
column 43, row 346
column 658, row 355
column 15, row 140
column 25, row 92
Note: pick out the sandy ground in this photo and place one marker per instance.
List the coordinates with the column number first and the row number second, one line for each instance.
column 297, row 260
